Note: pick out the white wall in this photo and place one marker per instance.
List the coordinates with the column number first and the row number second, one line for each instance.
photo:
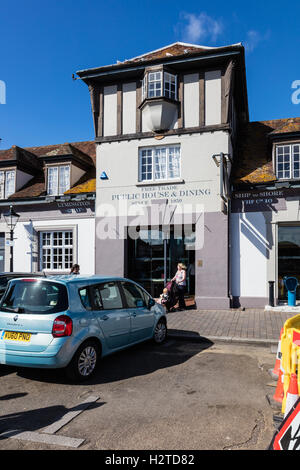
column 191, row 105
column 249, row 255
column 21, row 179
column 191, row 100
column 198, row 170
column 129, row 108
column 213, row 97
column 24, row 249
column 110, row 110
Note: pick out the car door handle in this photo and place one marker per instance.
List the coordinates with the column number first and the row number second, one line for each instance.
column 133, row 314
column 105, row 317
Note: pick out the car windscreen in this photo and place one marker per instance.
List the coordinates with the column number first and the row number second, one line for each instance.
column 35, row 296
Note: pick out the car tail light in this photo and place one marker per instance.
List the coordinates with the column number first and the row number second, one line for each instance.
column 62, row 326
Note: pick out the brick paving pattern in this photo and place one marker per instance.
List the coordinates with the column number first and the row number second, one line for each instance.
column 251, row 325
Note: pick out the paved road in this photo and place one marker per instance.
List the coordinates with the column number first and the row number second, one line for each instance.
column 181, row 395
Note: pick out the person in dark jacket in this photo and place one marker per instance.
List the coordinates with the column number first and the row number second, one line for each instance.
column 75, row 269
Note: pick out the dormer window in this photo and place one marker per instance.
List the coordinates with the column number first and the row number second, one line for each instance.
column 7, row 183
column 288, row 161
column 159, row 84
column 58, row 179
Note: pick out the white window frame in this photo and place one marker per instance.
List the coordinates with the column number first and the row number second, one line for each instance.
column 57, row 190
column 155, row 78
column 162, row 78
column 5, row 192
column 170, row 79
column 285, row 154
column 151, row 170
column 50, row 246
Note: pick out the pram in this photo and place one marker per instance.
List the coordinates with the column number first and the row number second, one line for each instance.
column 173, row 295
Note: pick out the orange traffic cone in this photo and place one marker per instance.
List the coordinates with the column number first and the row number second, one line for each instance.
column 275, row 371
column 292, row 394
column 279, row 392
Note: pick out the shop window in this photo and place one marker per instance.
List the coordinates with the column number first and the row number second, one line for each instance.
column 288, row 161
column 149, row 257
column 159, row 163
column 288, row 257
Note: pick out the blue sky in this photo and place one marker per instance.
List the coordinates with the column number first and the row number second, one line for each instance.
column 44, row 42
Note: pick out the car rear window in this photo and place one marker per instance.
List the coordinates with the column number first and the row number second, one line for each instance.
column 35, row 296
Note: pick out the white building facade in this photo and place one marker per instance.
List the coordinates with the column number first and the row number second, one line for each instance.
column 165, row 130
column 52, row 190
column 265, row 216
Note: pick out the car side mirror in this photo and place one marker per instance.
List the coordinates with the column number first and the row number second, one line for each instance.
column 151, row 302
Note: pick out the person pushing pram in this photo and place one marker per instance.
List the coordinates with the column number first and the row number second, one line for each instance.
column 175, row 289
column 169, row 296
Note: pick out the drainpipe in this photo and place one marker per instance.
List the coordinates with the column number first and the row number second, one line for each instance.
column 165, row 259
column 271, row 293
column 222, row 175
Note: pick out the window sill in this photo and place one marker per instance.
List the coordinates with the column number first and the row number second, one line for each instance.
column 160, row 183
column 158, row 99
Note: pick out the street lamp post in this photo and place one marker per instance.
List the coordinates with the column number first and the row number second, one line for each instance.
column 11, row 218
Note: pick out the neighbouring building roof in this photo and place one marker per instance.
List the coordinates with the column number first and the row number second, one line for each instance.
column 254, row 164
column 83, row 152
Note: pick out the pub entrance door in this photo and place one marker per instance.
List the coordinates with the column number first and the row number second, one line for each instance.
column 154, row 255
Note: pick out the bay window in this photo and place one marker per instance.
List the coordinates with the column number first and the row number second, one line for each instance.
column 159, row 84
column 159, row 163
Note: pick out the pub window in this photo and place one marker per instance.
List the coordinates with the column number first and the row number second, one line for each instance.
column 288, row 161
column 159, row 163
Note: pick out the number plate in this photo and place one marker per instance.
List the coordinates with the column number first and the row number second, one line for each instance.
column 16, row 336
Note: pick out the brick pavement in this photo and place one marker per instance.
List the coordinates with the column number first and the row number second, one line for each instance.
column 235, row 325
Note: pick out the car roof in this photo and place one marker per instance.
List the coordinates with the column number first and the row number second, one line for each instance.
column 78, row 278
column 10, row 274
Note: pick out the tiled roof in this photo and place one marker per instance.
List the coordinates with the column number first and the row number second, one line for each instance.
column 83, row 151
column 88, row 187
column 20, row 156
column 175, row 49
column 286, row 126
column 253, row 163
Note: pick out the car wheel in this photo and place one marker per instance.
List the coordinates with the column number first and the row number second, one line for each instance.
column 160, row 332
column 84, row 362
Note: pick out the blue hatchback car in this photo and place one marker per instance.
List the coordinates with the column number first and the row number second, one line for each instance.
column 72, row 321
